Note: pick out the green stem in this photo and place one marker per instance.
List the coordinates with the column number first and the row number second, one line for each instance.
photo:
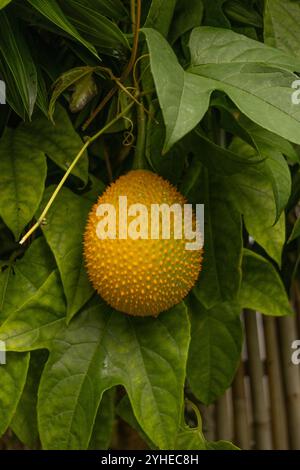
column 139, row 162
column 70, row 169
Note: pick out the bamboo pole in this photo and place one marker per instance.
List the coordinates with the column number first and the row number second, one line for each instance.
column 288, row 333
column 260, row 410
column 208, row 421
column 296, row 302
column 224, row 418
column 240, row 413
column 276, row 388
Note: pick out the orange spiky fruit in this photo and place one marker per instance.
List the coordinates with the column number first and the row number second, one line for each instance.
column 140, row 277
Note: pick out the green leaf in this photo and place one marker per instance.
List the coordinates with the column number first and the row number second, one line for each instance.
column 281, row 25
column 124, row 409
column 190, row 438
column 262, row 93
column 221, row 445
column 64, row 230
column 60, row 142
column 221, row 275
column 147, row 356
column 187, row 438
column 262, row 288
column 24, row 422
column 52, row 11
column 99, row 30
column 244, row 81
column 296, row 231
column 271, row 238
column 239, row 125
column 104, row 422
column 222, row 46
column 42, row 93
column 65, row 81
column 187, row 16
column 221, row 160
column 271, row 148
column 85, row 89
column 242, row 13
column 18, row 61
column 23, row 279
column 3, row 3
column 215, row 349
column 160, row 15
column 35, row 323
column 22, row 179
column 252, row 192
column 214, row 14
column 176, row 90
column 12, row 378
column 112, row 8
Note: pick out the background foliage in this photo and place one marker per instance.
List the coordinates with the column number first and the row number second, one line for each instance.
column 213, row 82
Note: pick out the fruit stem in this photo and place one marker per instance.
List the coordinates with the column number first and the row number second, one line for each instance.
column 89, row 141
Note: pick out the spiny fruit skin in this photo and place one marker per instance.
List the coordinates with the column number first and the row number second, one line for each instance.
column 140, row 277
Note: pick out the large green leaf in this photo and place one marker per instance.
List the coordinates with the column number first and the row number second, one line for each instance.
column 18, row 61
column 262, row 92
column 271, row 148
column 176, row 90
column 187, row 438
column 53, row 12
column 35, row 323
column 12, row 379
column 124, row 409
column 22, row 179
column 252, row 192
column 215, row 348
column 64, row 230
column 60, row 142
column 221, row 275
column 98, row 29
column 281, row 25
column 21, row 280
column 160, row 15
column 147, row 356
column 104, row 422
column 24, row 422
column 262, row 288
column 222, row 46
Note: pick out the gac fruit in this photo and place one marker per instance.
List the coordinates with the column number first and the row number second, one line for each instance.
column 141, row 276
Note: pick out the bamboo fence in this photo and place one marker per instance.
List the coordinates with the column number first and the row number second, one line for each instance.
column 262, row 408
